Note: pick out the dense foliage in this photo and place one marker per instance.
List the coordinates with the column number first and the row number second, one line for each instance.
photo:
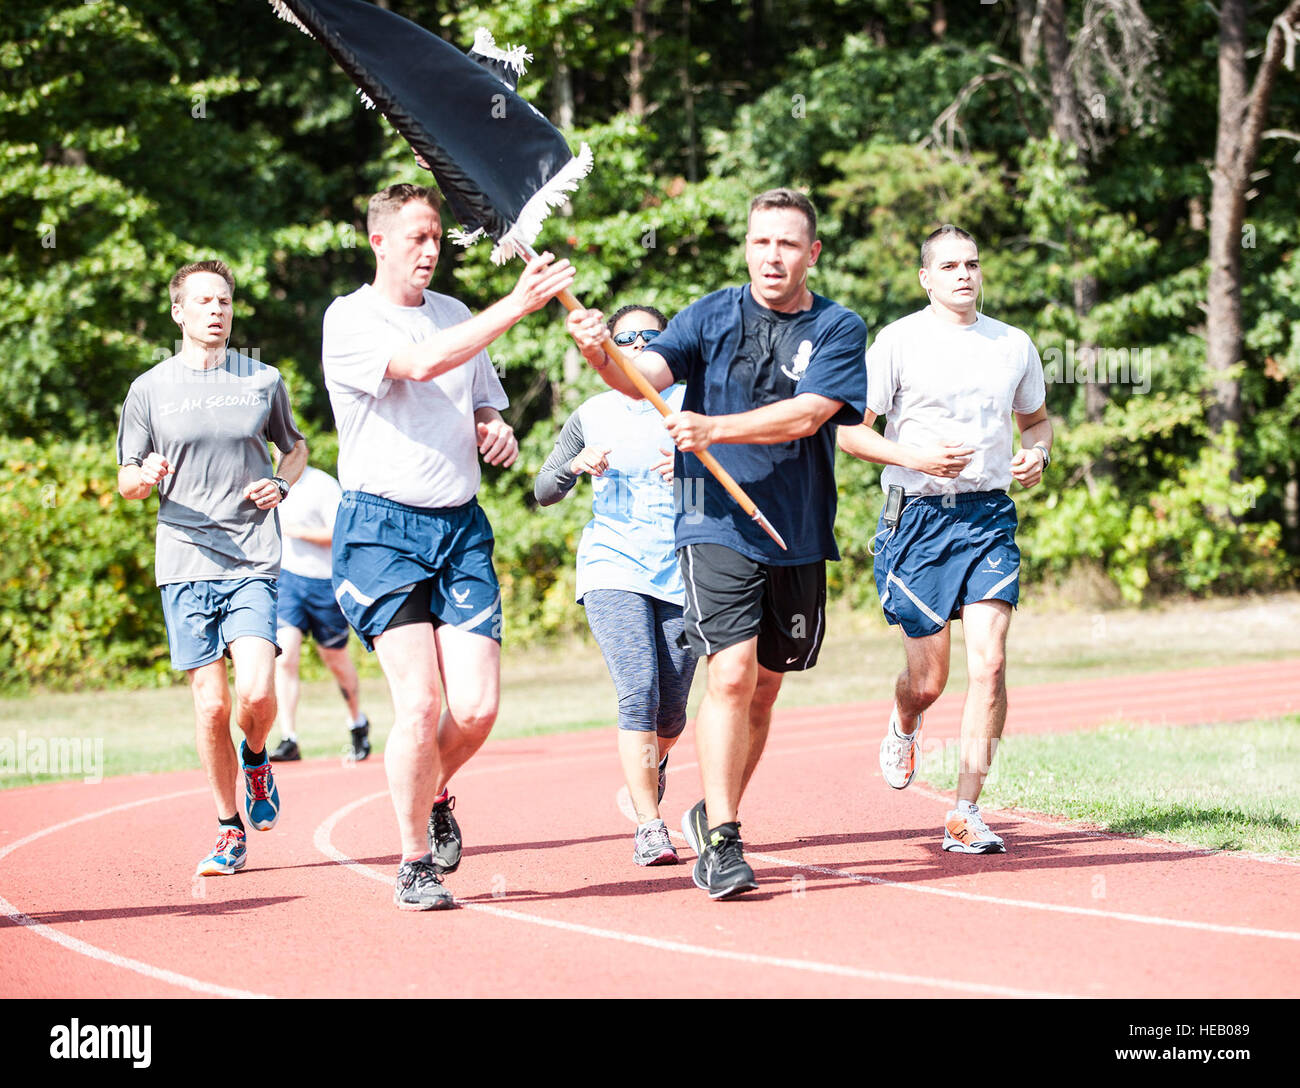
column 139, row 136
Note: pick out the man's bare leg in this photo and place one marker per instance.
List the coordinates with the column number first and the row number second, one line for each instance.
column 288, row 683
column 339, row 662
column 211, row 691
column 409, row 657
column 471, row 671
column 766, row 690
column 255, row 704
column 985, row 713
column 723, row 733
column 923, row 677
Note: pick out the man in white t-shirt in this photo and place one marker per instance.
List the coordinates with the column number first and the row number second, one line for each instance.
column 307, row 607
column 417, row 402
column 948, row 380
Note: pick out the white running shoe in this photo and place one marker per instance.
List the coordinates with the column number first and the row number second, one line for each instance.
column 898, row 754
column 967, row 833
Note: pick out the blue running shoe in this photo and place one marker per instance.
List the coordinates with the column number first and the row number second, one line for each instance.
column 261, row 797
column 227, row 857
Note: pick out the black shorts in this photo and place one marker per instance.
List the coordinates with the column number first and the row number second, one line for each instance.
column 731, row 598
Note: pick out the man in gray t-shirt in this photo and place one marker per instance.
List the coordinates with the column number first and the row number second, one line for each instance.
column 196, row 426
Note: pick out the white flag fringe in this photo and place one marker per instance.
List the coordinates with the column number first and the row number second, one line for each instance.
column 533, row 214
column 512, row 56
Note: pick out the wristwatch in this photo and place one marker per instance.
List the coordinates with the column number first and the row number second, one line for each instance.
column 283, row 485
column 1047, row 456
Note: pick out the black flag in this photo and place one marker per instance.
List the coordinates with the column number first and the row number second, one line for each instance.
column 499, row 163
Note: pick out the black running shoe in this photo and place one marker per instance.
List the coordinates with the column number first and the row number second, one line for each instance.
column 663, row 776
column 418, row 887
column 287, row 752
column 361, row 739
column 722, row 870
column 695, row 826
column 444, row 836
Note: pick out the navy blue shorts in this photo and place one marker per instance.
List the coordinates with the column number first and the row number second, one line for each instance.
column 947, row 551
column 309, row 605
column 384, row 549
column 204, row 618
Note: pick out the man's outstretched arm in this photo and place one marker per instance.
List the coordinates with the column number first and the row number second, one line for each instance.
column 541, row 281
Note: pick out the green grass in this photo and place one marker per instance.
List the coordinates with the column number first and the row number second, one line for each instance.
column 566, row 687
column 1225, row 787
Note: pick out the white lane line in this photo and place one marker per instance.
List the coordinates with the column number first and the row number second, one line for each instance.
column 322, row 841
column 1025, row 904
column 75, row 944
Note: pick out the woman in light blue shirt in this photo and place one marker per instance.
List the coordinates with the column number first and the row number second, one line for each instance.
column 628, row 579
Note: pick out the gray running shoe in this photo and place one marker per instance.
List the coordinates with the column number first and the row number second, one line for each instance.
column 445, row 842
column 722, row 870
column 419, row 887
column 652, row 845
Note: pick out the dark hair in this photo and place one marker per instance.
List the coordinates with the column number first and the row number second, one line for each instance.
column 388, row 202
column 623, row 311
column 176, row 288
column 946, row 231
column 787, row 198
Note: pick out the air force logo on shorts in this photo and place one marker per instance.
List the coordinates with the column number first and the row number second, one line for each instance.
column 383, row 550
column 945, row 554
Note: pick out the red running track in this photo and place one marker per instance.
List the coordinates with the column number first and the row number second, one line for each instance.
column 856, row 897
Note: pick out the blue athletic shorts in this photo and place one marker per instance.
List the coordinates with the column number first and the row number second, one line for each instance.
column 204, row 618
column 947, row 551
column 383, row 549
column 309, row 605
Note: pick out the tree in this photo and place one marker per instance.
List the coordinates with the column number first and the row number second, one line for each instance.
column 1241, row 114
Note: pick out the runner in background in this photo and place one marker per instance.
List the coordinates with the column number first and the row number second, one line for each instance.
column 307, row 606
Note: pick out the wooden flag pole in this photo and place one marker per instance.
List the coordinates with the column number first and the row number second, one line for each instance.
column 651, row 394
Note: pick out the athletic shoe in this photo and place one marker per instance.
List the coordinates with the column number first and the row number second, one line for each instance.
column 652, row 846
column 444, row 836
column 287, row 752
column 722, row 870
column 663, row 776
column 695, row 826
column 419, row 887
column 261, row 796
column 968, row 834
column 898, row 754
column 361, row 739
column 227, row 857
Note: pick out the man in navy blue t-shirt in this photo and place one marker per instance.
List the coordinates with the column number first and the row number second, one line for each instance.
column 770, row 369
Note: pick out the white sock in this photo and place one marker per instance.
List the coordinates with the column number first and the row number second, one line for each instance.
column 652, row 823
column 967, row 807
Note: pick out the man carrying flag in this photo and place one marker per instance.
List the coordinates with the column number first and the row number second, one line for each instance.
column 770, row 368
column 416, row 401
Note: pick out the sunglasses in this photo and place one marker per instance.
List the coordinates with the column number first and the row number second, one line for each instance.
column 628, row 338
